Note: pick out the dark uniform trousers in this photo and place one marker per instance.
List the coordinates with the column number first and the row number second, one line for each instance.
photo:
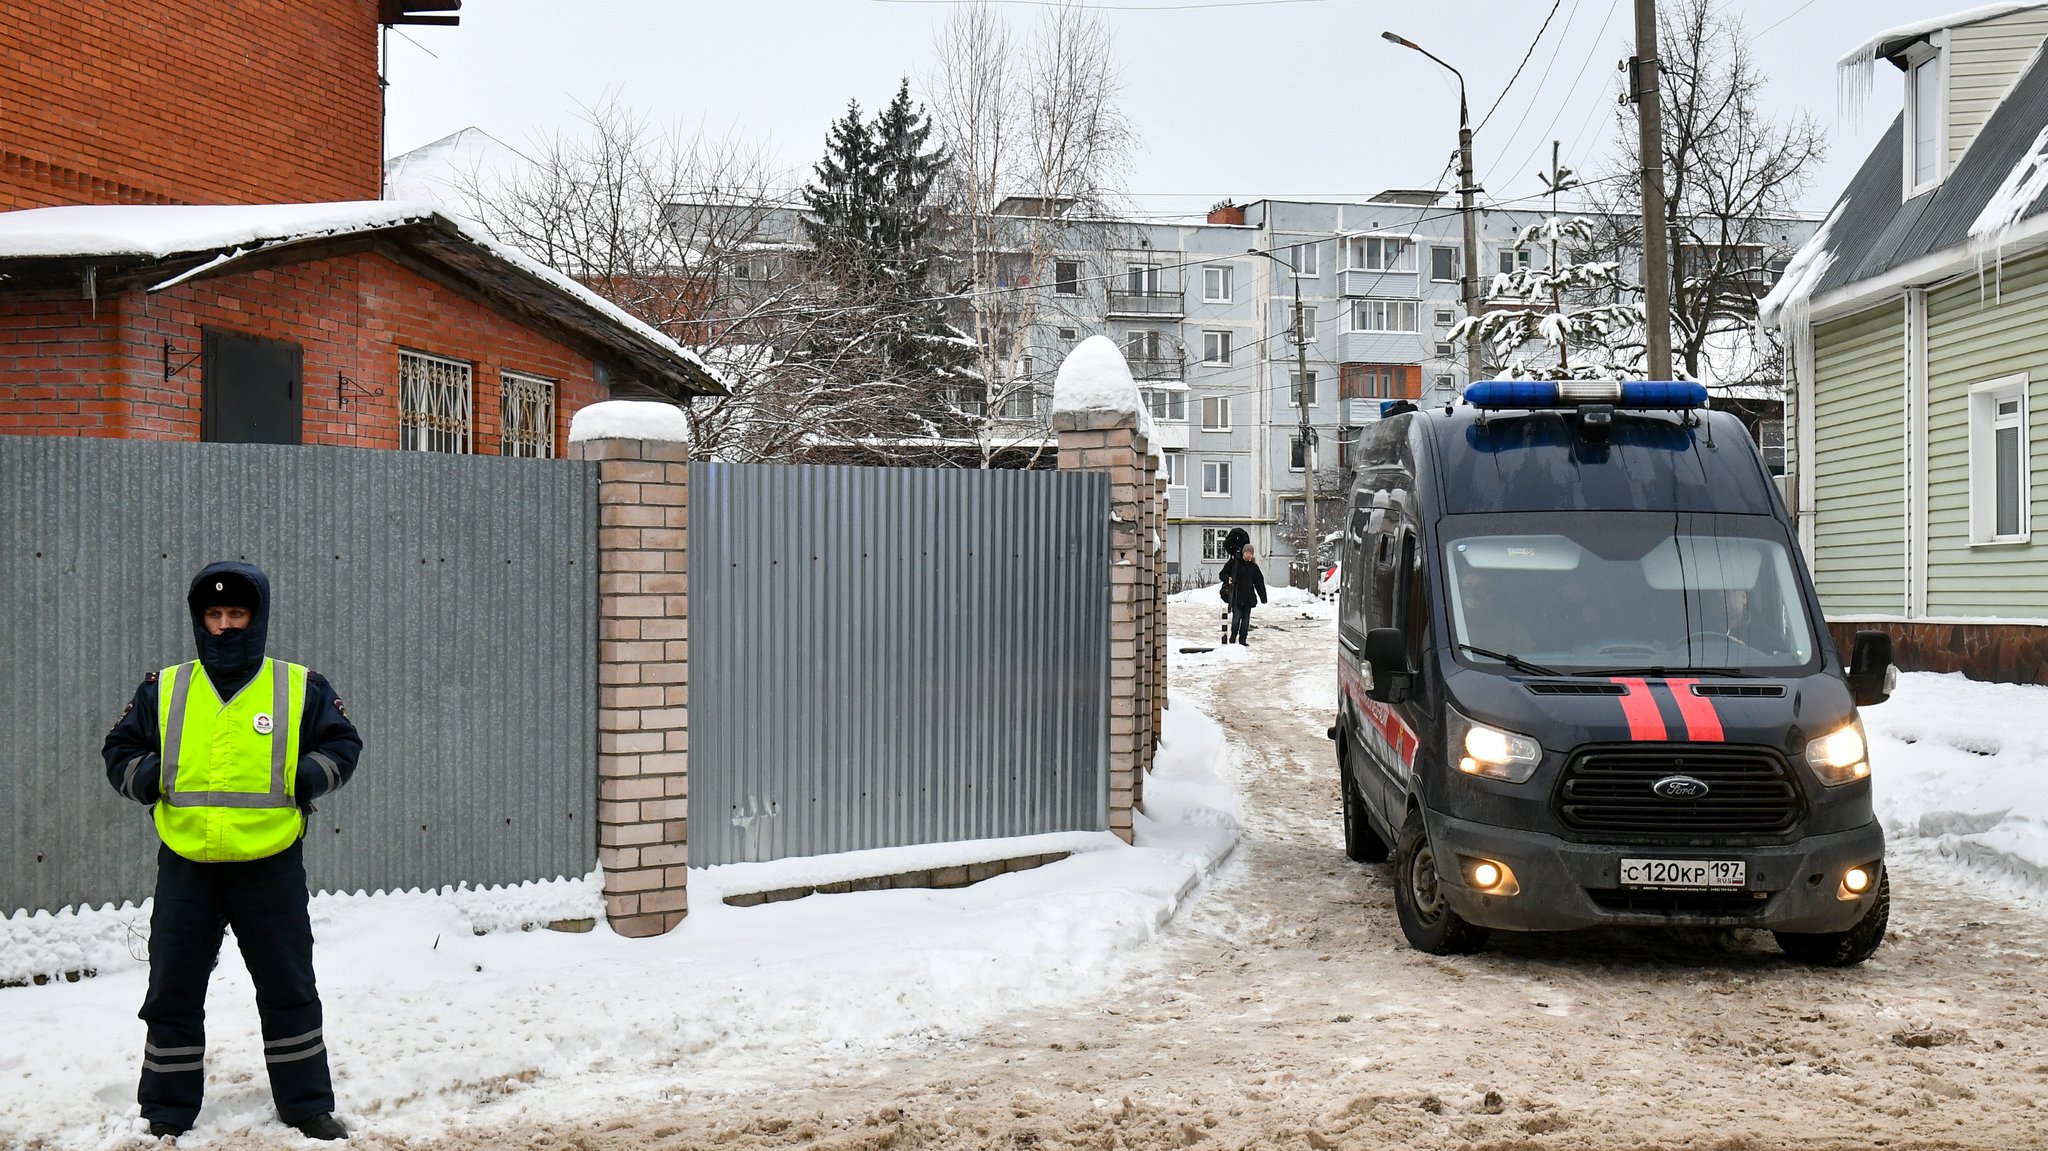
column 265, row 902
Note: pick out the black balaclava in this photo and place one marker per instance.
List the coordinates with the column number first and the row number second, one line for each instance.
column 232, row 658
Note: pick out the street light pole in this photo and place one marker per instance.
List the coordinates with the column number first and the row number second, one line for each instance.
column 1302, row 398
column 1466, row 191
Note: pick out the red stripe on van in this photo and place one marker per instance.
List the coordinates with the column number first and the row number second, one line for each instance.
column 1702, row 722
column 1645, row 721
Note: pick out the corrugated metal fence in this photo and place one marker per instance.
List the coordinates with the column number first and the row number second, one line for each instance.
column 882, row 657
column 451, row 600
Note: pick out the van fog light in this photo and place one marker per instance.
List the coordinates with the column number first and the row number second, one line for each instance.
column 1489, row 876
column 1855, row 882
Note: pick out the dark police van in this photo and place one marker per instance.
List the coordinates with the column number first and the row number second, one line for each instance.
column 1585, row 678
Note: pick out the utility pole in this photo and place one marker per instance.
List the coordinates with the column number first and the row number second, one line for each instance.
column 1302, row 398
column 1644, row 86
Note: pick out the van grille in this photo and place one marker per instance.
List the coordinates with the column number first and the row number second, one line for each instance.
column 1749, row 690
column 1605, row 793
column 1576, row 688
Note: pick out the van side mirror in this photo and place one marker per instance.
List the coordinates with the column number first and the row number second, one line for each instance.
column 1871, row 674
column 1386, row 653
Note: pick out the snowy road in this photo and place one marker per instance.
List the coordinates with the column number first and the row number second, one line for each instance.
column 1283, row 1010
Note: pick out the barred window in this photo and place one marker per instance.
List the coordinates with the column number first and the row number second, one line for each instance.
column 529, row 418
column 434, row 404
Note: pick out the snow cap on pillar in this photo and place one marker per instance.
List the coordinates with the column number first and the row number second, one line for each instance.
column 1095, row 381
column 630, row 420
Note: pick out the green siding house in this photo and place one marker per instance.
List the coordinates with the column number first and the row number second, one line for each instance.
column 1917, row 326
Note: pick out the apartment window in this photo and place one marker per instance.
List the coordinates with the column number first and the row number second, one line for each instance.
column 1308, row 322
column 1305, row 259
column 1444, row 384
column 434, row 404
column 1379, row 254
column 1216, row 478
column 1169, row 404
column 1142, row 280
column 1143, row 346
column 1347, row 446
column 1923, row 115
column 1295, row 456
column 1215, row 347
column 1383, row 316
column 528, row 419
column 1172, row 465
column 1066, row 277
column 1212, row 543
column 1445, row 317
column 1215, row 413
column 1070, row 334
column 1294, row 389
column 1999, row 467
column 1443, row 265
column 1217, row 284
column 1372, row 382
column 1513, row 260
column 1444, row 350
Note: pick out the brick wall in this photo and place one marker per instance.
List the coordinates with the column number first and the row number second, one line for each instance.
column 70, row 366
column 156, row 101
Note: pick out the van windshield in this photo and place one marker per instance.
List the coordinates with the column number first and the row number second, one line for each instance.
column 1585, row 591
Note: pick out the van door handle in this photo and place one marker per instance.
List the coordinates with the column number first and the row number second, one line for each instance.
column 1348, row 643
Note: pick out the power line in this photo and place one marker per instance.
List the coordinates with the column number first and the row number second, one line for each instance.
column 1555, row 5
column 1574, row 90
column 1117, row 7
column 1782, row 19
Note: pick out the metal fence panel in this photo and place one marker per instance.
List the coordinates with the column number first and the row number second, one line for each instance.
column 451, row 601
column 883, row 657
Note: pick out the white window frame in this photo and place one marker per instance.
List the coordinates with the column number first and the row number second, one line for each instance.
column 1934, row 59
column 436, row 403
column 1985, row 422
column 1224, row 279
column 1454, row 276
column 1309, row 320
column 1294, row 449
column 1228, row 341
column 1168, row 404
column 1173, row 465
column 1070, row 334
column 1218, row 406
column 1212, row 544
column 1359, row 254
column 1516, row 259
column 1294, row 388
column 520, row 393
column 1447, row 317
column 1306, row 260
column 1062, row 287
column 1212, row 472
column 1361, row 309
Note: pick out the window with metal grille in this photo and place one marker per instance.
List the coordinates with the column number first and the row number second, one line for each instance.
column 529, row 415
column 434, row 404
column 1212, row 543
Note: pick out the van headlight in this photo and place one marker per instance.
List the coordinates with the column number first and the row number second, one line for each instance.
column 1840, row 756
column 1496, row 754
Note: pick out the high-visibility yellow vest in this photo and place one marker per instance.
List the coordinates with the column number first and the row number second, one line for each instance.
column 230, row 769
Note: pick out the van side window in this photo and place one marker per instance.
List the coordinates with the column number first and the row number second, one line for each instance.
column 1415, row 599
column 1351, row 597
column 1381, row 610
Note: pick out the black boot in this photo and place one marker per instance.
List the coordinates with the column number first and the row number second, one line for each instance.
column 322, row 1126
column 162, row 1130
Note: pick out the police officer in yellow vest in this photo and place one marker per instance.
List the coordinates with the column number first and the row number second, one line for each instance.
column 230, row 750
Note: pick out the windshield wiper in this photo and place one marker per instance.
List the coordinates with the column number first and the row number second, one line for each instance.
column 1666, row 672
column 1513, row 661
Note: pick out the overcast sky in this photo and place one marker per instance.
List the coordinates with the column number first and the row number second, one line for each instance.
column 1257, row 98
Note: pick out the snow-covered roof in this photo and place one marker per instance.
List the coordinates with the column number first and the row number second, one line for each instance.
column 1853, row 72
column 217, row 235
column 449, row 170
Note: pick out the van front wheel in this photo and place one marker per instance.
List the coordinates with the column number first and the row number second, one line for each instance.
column 1844, row 948
column 1361, row 843
column 1426, row 919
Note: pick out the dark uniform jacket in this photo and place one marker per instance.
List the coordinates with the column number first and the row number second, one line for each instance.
column 133, row 750
column 1243, row 583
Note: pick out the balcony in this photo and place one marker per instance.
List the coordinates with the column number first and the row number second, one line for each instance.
column 1401, row 283
column 1162, row 367
column 1157, row 303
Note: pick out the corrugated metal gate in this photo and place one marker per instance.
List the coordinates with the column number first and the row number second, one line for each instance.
column 883, row 656
column 451, row 600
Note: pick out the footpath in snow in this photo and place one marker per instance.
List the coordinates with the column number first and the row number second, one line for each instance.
column 450, row 1008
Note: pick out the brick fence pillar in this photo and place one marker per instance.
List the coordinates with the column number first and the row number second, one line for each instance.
column 643, row 740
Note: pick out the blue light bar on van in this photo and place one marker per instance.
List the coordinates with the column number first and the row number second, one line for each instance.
column 1665, row 395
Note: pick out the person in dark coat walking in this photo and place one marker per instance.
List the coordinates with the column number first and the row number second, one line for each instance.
column 230, row 750
column 1243, row 586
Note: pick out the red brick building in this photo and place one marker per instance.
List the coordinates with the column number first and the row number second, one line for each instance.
column 293, row 307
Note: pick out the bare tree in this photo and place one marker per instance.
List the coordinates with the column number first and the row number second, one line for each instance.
column 688, row 233
column 1733, row 177
column 1040, row 147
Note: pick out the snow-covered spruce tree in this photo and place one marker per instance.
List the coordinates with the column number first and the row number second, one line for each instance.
column 842, row 199
column 1544, row 322
column 905, row 246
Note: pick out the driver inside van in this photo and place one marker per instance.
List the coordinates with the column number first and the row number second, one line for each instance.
column 1491, row 621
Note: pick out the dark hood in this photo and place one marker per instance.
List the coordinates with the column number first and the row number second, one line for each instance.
column 232, row 658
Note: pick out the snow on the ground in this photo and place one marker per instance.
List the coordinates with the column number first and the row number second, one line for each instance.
column 442, row 1011
column 1961, row 768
